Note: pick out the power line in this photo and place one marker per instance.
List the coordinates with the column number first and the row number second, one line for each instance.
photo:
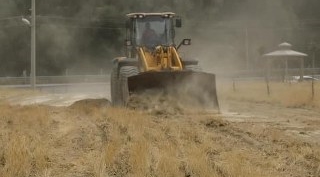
column 85, row 27
column 10, row 18
column 118, row 23
column 113, row 19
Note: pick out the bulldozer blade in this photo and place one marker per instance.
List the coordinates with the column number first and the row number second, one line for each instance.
column 196, row 86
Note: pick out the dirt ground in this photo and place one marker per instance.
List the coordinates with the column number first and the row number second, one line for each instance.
column 91, row 138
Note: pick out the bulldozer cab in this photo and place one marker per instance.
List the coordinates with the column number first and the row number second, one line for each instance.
column 153, row 62
column 150, row 30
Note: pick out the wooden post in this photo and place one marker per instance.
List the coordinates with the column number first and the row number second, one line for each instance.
column 247, row 48
column 267, row 76
column 301, row 69
column 313, row 60
column 286, row 70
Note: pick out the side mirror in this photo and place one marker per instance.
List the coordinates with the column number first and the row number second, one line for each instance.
column 178, row 23
column 184, row 42
column 128, row 43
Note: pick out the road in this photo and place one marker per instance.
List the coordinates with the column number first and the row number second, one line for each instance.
column 62, row 94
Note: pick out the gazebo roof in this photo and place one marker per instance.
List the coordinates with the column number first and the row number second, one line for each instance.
column 285, row 51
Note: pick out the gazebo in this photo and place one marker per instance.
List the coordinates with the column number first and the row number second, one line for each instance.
column 285, row 54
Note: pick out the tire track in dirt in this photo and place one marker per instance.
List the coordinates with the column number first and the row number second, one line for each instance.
column 288, row 132
column 157, row 143
column 230, row 139
column 120, row 166
column 71, row 142
column 264, row 147
column 178, row 144
column 219, row 171
column 180, row 140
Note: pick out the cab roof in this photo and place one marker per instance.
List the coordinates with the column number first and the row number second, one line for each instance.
column 143, row 14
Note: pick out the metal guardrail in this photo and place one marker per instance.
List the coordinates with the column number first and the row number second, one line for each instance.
column 55, row 79
column 236, row 74
column 262, row 72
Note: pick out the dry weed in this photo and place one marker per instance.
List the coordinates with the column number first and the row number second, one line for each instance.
column 290, row 95
column 237, row 164
column 18, row 158
column 140, row 157
column 89, row 139
column 199, row 162
column 168, row 163
column 23, row 130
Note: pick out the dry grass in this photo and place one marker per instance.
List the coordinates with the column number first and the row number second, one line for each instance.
column 43, row 141
column 237, row 163
column 142, row 145
column 23, row 152
column 290, row 95
column 96, row 140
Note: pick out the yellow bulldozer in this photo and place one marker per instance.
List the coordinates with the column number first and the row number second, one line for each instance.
column 152, row 62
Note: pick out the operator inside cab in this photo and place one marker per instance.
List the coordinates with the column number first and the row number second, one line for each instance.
column 149, row 36
column 152, row 31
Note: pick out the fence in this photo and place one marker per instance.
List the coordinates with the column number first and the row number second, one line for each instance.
column 55, row 79
column 240, row 74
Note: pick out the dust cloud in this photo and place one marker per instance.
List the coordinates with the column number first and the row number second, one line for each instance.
column 190, row 94
column 68, row 43
column 227, row 35
column 229, row 40
column 71, row 41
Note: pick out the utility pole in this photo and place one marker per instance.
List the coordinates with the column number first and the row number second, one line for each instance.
column 33, row 45
column 313, row 60
column 247, row 47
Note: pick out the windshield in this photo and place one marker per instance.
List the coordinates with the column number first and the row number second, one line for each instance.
column 153, row 31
